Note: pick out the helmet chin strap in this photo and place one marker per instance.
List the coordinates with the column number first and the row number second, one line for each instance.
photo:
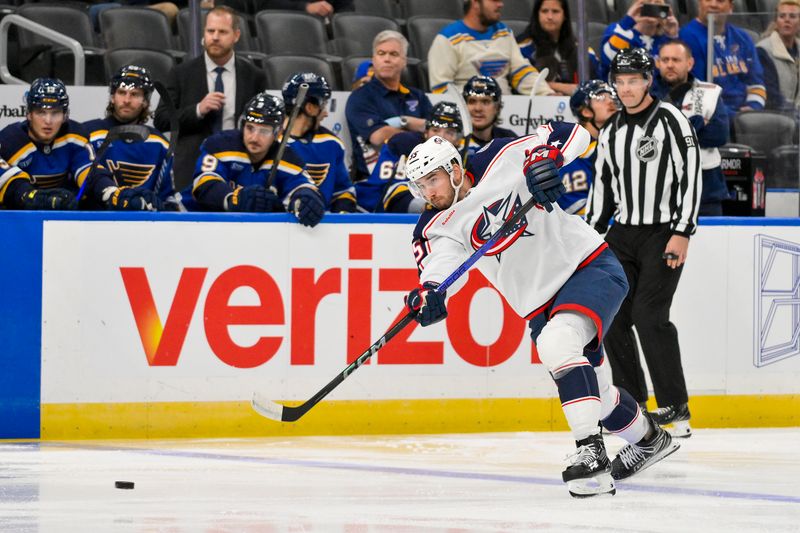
column 456, row 188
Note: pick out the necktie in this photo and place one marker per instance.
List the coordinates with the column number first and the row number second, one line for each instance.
column 220, row 88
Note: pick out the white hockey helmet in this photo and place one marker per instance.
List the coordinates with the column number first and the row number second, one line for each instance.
column 433, row 154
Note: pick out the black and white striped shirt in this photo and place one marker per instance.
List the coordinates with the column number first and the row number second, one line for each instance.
column 647, row 171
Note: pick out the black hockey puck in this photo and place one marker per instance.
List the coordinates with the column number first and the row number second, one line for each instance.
column 123, row 484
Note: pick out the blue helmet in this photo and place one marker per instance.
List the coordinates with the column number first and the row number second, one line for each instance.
column 263, row 108
column 47, row 93
column 585, row 92
column 318, row 89
column 134, row 77
column 445, row 115
column 483, row 86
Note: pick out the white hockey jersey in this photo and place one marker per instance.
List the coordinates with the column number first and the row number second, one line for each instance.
column 534, row 261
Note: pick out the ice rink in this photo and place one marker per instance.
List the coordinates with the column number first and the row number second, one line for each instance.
column 720, row 480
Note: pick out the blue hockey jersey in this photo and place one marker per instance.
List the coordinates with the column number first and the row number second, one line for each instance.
column 224, row 165
column 577, row 177
column 736, row 67
column 385, row 189
column 65, row 162
column 62, row 163
column 623, row 34
column 324, row 156
column 134, row 164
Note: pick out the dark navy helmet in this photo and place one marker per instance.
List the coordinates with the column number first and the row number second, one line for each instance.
column 318, row 89
column 132, row 77
column 631, row 61
column 586, row 91
column 264, row 108
column 47, row 93
column 482, row 86
column 445, row 115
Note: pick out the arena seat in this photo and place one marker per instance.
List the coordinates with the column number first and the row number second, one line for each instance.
column 292, row 32
column 137, row 27
column 764, row 130
column 518, row 9
column 448, row 9
column 354, row 32
column 51, row 59
column 158, row 63
column 421, row 33
column 278, row 68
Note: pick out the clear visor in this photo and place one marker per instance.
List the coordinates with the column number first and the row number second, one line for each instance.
column 261, row 130
column 422, row 187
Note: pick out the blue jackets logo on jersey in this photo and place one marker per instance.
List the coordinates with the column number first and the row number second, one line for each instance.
column 490, row 221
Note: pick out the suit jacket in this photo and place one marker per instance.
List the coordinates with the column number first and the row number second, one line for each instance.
column 187, row 85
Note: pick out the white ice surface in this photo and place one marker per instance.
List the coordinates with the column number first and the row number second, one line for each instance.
column 719, row 481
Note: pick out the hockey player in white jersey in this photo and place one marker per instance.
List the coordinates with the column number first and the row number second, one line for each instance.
column 552, row 268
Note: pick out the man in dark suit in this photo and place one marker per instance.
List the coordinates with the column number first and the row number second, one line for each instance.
column 209, row 91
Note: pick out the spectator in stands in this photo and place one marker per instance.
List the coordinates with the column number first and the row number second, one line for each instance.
column 736, row 66
column 484, row 101
column 548, row 42
column 481, row 44
column 209, row 91
column 637, row 31
column 362, row 74
column 700, row 102
column 321, row 8
column 383, row 107
column 779, row 54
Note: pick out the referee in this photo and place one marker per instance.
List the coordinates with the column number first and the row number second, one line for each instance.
column 647, row 176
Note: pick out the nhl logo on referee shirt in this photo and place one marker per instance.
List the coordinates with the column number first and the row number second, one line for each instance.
column 647, row 149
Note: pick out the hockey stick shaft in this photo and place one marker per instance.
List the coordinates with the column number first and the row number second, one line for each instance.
column 174, row 125
column 299, row 103
column 285, row 413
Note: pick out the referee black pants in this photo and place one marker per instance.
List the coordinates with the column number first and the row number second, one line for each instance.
column 652, row 285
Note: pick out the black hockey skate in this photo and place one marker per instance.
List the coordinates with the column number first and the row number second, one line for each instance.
column 678, row 416
column 589, row 472
column 633, row 458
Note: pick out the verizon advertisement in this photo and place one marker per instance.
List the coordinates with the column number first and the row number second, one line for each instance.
column 173, row 311
column 144, row 311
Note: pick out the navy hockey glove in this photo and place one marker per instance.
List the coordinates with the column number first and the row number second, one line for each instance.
column 308, row 206
column 697, row 122
column 254, row 199
column 541, row 175
column 128, row 199
column 49, row 199
column 344, row 205
column 428, row 304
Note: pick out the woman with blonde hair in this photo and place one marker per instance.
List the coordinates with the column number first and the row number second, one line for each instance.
column 779, row 53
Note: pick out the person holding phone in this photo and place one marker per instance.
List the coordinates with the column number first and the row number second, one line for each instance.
column 648, row 24
column 647, row 176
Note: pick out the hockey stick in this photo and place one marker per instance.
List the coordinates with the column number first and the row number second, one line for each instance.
column 126, row 132
column 466, row 120
column 174, row 126
column 299, row 103
column 541, row 76
column 285, row 413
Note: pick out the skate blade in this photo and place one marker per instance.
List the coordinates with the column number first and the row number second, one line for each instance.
column 599, row 485
column 680, row 429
